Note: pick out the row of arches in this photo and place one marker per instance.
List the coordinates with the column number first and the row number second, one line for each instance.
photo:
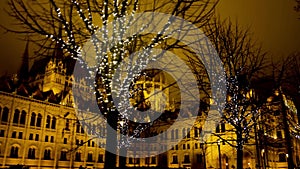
column 19, row 117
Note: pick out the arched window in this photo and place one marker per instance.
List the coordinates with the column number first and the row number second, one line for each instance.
column 176, row 133
column 32, row 119
column 48, row 121
column 67, row 124
column 223, row 127
column 196, row 132
column 78, row 156
column 47, row 154
column 14, row 151
column 39, row 120
column 63, row 155
column 4, row 117
column 90, row 157
column 188, row 133
column 23, row 117
column 183, row 132
column 16, row 116
column 77, row 127
column 53, row 123
column 31, row 153
column 172, row 134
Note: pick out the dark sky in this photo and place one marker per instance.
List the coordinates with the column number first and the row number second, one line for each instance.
column 273, row 23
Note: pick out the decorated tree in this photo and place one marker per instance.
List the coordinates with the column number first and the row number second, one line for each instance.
column 102, row 34
column 243, row 61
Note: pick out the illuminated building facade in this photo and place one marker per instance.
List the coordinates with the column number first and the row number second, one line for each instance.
column 39, row 127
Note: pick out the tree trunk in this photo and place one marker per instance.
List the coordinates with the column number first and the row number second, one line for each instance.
column 111, row 141
column 122, row 159
column 239, row 159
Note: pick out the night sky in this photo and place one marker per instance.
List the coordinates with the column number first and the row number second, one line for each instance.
column 274, row 24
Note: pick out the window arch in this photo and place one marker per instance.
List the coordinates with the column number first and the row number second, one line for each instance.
column 183, row 132
column 23, row 117
column 14, row 151
column 47, row 154
column 32, row 119
column 39, row 120
column 53, row 125
column 77, row 127
column 31, row 153
column 78, row 156
column 63, row 155
column 48, row 121
column 90, row 157
column 5, row 112
column 16, row 116
column 188, row 133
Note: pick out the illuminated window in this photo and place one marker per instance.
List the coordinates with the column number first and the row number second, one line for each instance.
column 52, row 139
column 175, row 159
column 78, row 156
column 31, row 153
column 47, row 154
column 36, row 137
column 20, row 135
column 23, row 117
column 48, row 121
column 90, row 157
column 196, row 132
column 63, row 155
column 30, row 136
column 100, row 158
column 53, row 125
column 188, row 133
column 186, row 159
column 5, row 112
column 14, row 151
column 67, row 124
column 65, row 140
column 32, row 119
column 14, row 134
column 39, row 120
column 16, row 116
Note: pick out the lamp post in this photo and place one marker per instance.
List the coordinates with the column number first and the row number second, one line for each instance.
column 219, row 150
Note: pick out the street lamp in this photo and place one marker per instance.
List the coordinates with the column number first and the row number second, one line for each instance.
column 219, row 150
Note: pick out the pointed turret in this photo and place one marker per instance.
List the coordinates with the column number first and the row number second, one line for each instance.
column 24, row 70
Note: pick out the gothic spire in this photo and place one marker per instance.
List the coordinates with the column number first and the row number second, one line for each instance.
column 24, row 70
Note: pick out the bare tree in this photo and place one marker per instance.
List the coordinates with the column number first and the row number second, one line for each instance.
column 73, row 23
column 243, row 61
column 285, row 79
